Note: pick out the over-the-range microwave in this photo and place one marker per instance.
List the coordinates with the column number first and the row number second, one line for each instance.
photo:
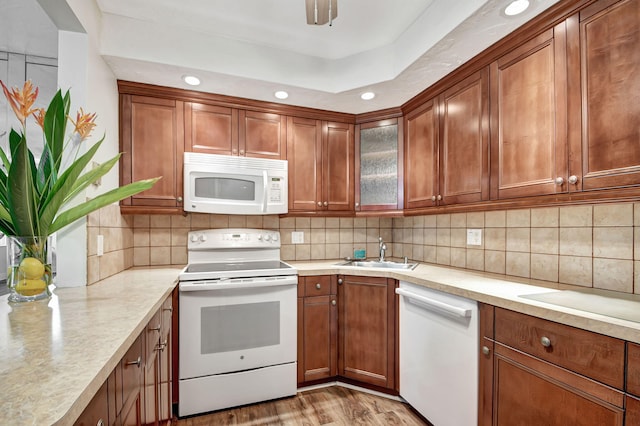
column 234, row 185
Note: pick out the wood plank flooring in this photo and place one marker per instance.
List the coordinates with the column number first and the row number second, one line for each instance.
column 334, row 405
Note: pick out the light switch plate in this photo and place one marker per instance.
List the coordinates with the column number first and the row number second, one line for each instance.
column 297, row 237
column 474, row 237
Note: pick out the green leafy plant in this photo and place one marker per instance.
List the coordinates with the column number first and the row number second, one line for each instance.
column 33, row 195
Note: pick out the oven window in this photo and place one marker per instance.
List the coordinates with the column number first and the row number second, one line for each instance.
column 225, row 188
column 238, row 327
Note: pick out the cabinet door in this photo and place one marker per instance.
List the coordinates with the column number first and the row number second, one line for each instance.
column 338, row 164
column 632, row 414
column 610, row 68
column 304, row 153
column 165, row 412
column 528, row 114
column 211, row 129
column 320, row 330
column 97, row 412
column 528, row 391
column 367, row 330
column 485, row 366
column 151, row 140
column 262, row 135
column 464, row 141
column 421, row 157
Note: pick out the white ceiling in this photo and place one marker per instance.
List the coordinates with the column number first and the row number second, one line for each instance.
column 251, row 48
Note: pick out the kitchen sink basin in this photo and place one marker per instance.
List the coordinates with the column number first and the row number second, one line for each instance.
column 385, row 264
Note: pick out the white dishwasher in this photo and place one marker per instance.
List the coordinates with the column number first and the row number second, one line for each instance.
column 439, row 355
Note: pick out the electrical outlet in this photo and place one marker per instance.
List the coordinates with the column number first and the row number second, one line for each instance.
column 100, row 245
column 474, row 237
column 297, row 237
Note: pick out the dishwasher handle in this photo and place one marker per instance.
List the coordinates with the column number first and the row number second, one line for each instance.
column 435, row 305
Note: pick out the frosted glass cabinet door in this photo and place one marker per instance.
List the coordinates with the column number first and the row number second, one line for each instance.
column 378, row 166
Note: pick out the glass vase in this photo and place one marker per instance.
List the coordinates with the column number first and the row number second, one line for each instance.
column 29, row 272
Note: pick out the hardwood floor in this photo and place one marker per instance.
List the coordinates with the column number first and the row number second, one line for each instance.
column 335, row 405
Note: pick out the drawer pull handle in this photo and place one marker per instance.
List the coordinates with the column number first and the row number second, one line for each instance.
column 486, row 350
column 162, row 346
column 545, row 341
column 157, row 328
column 100, row 423
column 170, row 309
column 318, row 286
column 136, row 362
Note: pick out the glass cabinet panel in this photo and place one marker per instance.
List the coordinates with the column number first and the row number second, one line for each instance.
column 379, row 166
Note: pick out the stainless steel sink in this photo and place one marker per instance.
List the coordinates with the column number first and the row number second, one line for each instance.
column 385, row 264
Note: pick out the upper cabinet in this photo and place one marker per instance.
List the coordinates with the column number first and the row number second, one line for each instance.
column 446, row 155
column 608, row 76
column 321, row 166
column 152, row 144
column 378, row 164
column 228, row 131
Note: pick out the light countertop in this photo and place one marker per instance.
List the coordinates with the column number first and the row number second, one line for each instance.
column 55, row 354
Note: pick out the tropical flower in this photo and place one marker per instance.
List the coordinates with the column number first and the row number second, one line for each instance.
column 33, row 195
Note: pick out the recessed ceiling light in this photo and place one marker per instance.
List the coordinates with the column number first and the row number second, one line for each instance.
column 367, row 96
column 516, row 7
column 281, row 94
column 191, row 80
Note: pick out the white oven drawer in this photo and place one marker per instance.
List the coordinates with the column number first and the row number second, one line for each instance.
column 239, row 329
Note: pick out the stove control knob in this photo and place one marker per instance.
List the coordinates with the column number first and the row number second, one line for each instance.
column 275, row 237
column 194, row 238
column 267, row 237
column 203, row 238
column 259, row 237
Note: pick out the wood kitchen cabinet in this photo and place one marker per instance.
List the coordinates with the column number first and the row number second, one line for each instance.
column 152, row 145
column 317, row 328
column 447, row 146
column 321, row 165
column 221, row 130
column 548, row 373
column 367, row 330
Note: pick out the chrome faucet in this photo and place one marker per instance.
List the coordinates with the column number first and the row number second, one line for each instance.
column 383, row 248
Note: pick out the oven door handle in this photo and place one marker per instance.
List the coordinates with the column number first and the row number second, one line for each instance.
column 217, row 285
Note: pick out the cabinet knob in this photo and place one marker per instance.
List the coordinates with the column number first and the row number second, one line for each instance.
column 179, row 199
column 318, row 286
column 439, row 197
column 433, row 198
column 100, row 423
column 136, row 362
column 545, row 341
column 559, row 180
column 486, row 350
column 339, row 280
column 242, row 152
column 319, row 204
column 573, row 179
column 333, row 302
column 326, row 204
column 357, row 204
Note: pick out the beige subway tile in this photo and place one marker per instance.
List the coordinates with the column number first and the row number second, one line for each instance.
column 386, row 222
column 443, row 220
column 237, row 221
column 93, row 219
column 430, row 236
column 458, row 237
column 545, row 240
column 128, row 258
column 303, row 222
column 288, row 223
column 127, row 237
column 346, row 236
column 443, row 237
column 271, row 222
column 393, row 248
column 373, row 222
column 372, row 250
column 544, row 267
column 346, row 250
column 141, row 221
column 318, row 236
column 495, row 239
column 333, row 222
column 141, row 237
column 160, row 237
column 318, row 252
column 332, row 236
column 303, row 252
column 636, row 277
column 430, row 254
column 183, row 222
column 519, row 239
column 372, row 235
column 200, row 221
column 495, row 219
column 613, row 242
column 332, row 251
column 386, row 234
column 407, row 250
column 141, row 256
column 160, row 256
column 360, row 222
column 219, row 221
column 576, row 241
column 613, row 274
column 518, row 264
column 519, row 218
column 418, row 222
column 92, row 241
column 475, row 259
column 547, row 217
column 178, row 255
column 618, row 214
column 417, row 236
column 576, row 216
column 636, row 243
column 576, row 270
column 285, row 236
column 459, row 257
column 636, row 215
column 159, row 221
column 407, row 237
column 112, row 238
column 288, row 252
column 418, row 253
column 398, row 222
column 346, row 222
column 475, row 220
column 431, row 221
column 93, row 269
column 110, row 216
column 179, row 238
column 111, row 263
column 255, row 222
column 398, row 235
column 459, row 220
column 495, row 261
column 360, row 235
column 443, row 255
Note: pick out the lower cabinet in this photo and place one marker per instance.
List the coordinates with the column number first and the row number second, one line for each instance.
column 534, row 371
column 347, row 328
column 138, row 391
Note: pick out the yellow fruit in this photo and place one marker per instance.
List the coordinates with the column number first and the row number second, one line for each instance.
column 30, row 287
column 32, row 268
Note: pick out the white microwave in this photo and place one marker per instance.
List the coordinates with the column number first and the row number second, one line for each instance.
column 234, row 185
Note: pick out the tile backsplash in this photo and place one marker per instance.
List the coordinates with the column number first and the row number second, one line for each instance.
column 586, row 245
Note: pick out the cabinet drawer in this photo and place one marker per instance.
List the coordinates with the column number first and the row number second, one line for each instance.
column 317, row 285
column 153, row 330
column 593, row 355
column 633, row 369
column 132, row 364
